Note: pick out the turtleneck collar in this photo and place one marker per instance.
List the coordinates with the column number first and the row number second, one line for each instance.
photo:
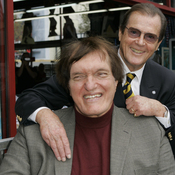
column 99, row 122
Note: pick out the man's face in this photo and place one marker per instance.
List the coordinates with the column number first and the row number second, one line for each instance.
column 92, row 85
column 136, row 51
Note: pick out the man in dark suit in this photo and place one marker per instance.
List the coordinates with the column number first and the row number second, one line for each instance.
column 140, row 35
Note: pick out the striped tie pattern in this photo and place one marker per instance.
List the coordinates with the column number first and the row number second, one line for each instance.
column 127, row 86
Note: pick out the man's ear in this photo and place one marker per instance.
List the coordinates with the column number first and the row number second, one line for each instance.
column 116, row 83
column 158, row 44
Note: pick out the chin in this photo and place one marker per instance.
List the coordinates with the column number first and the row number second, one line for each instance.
column 94, row 114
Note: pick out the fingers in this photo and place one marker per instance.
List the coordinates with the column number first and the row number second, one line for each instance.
column 132, row 104
column 132, row 111
column 66, row 145
column 58, row 149
column 62, row 146
column 135, row 115
column 58, row 142
column 139, row 105
column 51, row 142
column 54, row 134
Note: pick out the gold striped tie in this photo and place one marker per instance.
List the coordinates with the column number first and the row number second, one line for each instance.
column 127, row 86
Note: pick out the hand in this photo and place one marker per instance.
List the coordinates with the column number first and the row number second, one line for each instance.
column 139, row 105
column 54, row 134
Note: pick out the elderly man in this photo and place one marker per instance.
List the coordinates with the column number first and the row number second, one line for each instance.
column 140, row 35
column 104, row 139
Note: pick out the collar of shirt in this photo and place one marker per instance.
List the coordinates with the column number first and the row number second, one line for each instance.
column 135, row 84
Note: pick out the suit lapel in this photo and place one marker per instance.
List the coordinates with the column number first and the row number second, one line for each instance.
column 69, row 124
column 119, row 141
column 147, row 86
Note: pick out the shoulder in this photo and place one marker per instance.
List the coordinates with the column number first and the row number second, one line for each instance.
column 139, row 125
column 158, row 69
column 66, row 114
column 28, row 134
column 63, row 112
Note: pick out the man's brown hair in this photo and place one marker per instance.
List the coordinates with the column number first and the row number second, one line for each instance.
column 77, row 49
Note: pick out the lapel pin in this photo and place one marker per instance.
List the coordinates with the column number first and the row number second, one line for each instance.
column 153, row 92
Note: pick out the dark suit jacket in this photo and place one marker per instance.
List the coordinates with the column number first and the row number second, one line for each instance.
column 157, row 83
column 138, row 147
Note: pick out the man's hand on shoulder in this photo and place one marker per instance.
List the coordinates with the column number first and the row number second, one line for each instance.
column 139, row 105
column 54, row 134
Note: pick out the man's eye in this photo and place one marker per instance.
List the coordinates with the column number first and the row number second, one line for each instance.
column 150, row 36
column 134, row 32
column 78, row 77
column 102, row 74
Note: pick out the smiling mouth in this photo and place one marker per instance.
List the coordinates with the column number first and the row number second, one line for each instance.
column 92, row 96
column 137, row 51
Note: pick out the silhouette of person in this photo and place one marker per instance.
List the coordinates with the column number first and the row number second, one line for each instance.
column 41, row 75
column 25, row 74
column 27, row 32
column 69, row 30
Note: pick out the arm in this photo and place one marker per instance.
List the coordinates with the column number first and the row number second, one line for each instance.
column 16, row 160
column 166, row 159
column 139, row 105
column 30, row 71
column 20, row 70
column 143, row 105
column 48, row 93
column 53, row 96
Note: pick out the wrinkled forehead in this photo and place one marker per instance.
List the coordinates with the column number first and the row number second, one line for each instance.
column 92, row 60
column 145, row 22
column 102, row 54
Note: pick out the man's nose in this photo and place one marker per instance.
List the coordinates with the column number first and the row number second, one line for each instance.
column 141, row 40
column 90, row 83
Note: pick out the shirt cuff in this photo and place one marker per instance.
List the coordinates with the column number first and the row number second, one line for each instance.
column 32, row 117
column 165, row 121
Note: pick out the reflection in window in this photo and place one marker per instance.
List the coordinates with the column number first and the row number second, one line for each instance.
column 162, row 2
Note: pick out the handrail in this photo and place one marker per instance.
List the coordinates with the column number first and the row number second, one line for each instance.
column 4, row 144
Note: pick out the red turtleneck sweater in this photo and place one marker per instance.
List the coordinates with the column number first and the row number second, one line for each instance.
column 91, row 154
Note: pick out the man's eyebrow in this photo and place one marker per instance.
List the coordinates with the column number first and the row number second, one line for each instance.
column 76, row 73
column 98, row 70
column 102, row 69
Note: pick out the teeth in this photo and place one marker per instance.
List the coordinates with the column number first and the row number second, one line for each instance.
column 92, row 96
column 136, row 51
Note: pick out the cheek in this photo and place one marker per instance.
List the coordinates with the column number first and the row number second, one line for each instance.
column 111, row 86
column 75, row 89
column 151, row 49
column 71, row 89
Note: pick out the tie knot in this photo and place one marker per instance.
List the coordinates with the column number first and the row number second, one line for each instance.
column 130, row 77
